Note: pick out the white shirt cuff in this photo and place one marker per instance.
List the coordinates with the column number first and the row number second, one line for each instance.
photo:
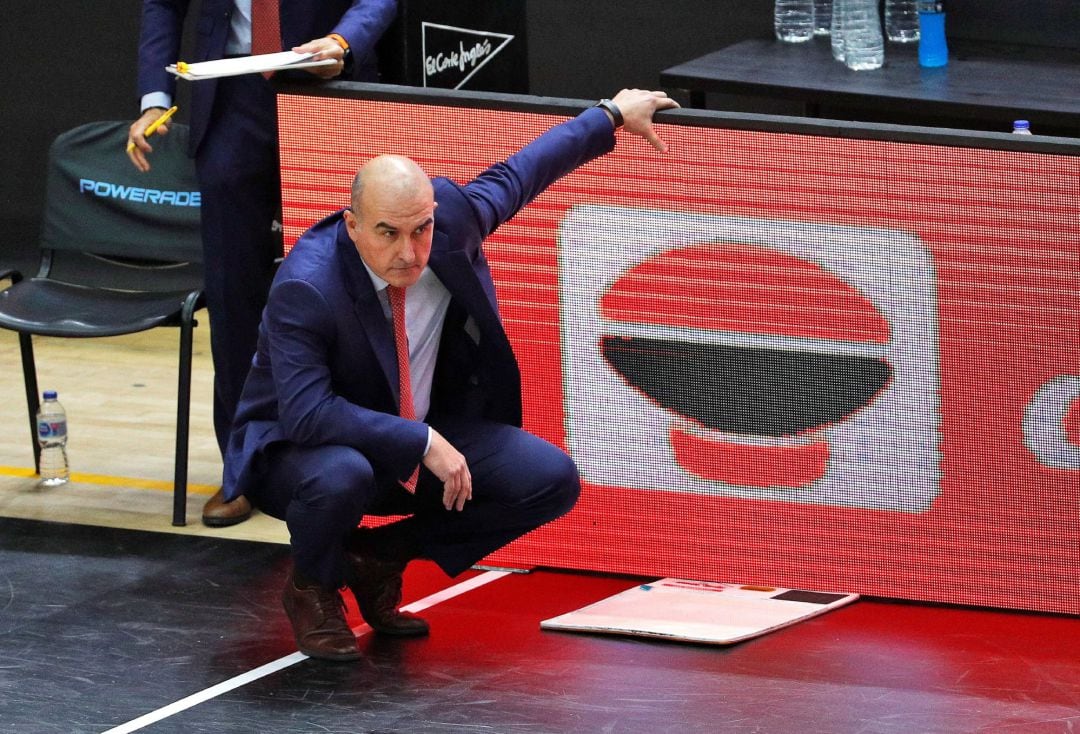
column 155, row 99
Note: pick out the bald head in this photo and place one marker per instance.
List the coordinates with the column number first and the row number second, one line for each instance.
column 392, row 218
column 391, row 178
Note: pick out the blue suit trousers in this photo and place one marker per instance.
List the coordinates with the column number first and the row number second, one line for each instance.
column 519, row 483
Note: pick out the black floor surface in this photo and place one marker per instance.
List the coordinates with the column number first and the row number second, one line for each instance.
column 99, row 627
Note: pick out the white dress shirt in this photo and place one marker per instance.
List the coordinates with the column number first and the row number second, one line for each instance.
column 426, row 303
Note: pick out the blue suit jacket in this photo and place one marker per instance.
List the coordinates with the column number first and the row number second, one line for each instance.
column 325, row 372
column 360, row 22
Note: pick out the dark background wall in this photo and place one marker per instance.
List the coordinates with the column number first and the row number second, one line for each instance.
column 68, row 63
column 591, row 49
column 74, row 62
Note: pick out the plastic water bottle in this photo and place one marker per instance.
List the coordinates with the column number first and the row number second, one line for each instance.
column 902, row 20
column 822, row 17
column 52, row 437
column 933, row 51
column 836, row 30
column 793, row 20
column 1021, row 127
column 864, row 44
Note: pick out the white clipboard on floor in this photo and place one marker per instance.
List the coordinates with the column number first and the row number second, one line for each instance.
column 698, row 611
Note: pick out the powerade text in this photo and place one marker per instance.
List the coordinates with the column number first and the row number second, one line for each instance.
column 139, row 194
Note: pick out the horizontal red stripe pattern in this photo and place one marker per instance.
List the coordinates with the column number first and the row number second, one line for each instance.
column 1003, row 232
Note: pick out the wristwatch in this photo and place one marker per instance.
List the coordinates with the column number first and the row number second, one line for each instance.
column 613, row 108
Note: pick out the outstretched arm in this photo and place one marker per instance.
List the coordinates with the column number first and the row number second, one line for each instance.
column 504, row 188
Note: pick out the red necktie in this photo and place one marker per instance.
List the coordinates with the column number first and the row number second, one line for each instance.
column 401, row 345
column 265, row 29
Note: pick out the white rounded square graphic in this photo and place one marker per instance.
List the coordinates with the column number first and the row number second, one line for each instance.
column 884, row 455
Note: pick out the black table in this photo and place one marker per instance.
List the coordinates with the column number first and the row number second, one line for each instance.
column 982, row 86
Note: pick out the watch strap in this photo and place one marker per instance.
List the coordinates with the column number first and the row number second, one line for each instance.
column 612, row 108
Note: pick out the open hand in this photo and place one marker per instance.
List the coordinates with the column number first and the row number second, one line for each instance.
column 637, row 107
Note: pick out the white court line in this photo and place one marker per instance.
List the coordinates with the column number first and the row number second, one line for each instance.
column 264, row 670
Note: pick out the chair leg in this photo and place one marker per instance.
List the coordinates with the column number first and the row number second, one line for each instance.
column 26, row 347
column 183, row 419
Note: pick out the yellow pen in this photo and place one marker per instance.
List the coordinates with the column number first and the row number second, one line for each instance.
column 154, row 126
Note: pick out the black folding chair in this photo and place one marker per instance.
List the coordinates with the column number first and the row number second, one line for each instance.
column 120, row 253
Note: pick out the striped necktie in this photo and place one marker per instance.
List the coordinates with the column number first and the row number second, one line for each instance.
column 401, row 346
column 265, row 29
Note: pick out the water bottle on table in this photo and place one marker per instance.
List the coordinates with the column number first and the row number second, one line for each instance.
column 52, row 437
column 1021, row 127
column 902, row 20
column 864, row 44
column 793, row 20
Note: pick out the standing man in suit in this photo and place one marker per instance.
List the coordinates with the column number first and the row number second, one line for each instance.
column 234, row 143
column 384, row 384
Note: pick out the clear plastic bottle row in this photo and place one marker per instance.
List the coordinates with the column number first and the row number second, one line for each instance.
column 800, row 20
column 855, row 27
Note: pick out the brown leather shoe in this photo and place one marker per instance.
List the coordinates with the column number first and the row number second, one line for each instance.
column 217, row 513
column 318, row 622
column 376, row 584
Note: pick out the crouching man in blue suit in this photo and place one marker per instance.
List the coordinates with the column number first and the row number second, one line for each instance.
column 333, row 423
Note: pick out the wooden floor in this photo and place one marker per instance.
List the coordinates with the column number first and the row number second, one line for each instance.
column 112, row 620
column 120, row 397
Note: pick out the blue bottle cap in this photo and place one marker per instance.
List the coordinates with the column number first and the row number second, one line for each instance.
column 49, row 395
column 1021, row 125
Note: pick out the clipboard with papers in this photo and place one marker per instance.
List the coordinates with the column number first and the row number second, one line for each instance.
column 698, row 611
column 258, row 64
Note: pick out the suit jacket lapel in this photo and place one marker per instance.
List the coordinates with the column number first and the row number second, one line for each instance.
column 368, row 309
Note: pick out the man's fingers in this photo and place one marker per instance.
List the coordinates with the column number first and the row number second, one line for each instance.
column 654, row 140
column 457, row 490
column 453, row 497
column 466, row 489
column 450, row 491
column 446, row 463
column 324, row 48
column 137, row 150
column 138, row 147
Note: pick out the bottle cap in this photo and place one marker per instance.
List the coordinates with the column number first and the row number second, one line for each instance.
column 49, row 395
column 1021, row 125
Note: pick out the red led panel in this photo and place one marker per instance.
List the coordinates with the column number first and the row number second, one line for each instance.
column 781, row 358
